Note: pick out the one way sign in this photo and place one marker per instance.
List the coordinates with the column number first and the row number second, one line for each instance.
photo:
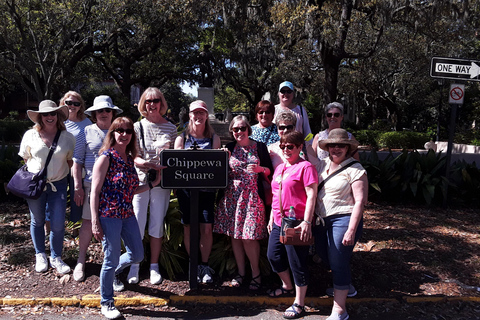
column 457, row 69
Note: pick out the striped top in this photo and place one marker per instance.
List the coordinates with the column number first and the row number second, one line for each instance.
column 153, row 133
column 89, row 142
column 336, row 196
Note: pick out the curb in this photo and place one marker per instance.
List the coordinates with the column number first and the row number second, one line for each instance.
column 94, row 300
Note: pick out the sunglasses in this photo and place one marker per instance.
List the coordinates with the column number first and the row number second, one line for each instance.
column 152, row 101
column 72, row 103
column 338, row 145
column 237, row 129
column 104, row 110
column 53, row 114
column 264, row 112
column 288, row 127
column 336, row 115
column 285, row 91
column 122, row 131
column 288, row 146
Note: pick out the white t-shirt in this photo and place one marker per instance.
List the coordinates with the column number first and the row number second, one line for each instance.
column 35, row 151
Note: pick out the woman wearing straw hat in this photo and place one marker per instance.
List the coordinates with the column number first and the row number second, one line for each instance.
column 34, row 149
column 340, row 204
column 89, row 141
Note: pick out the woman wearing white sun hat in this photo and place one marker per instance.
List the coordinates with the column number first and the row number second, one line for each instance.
column 34, row 149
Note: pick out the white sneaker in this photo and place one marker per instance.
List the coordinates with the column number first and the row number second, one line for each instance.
column 133, row 277
column 336, row 316
column 41, row 264
column 155, row 276
column 200, row 273
column 109, row 311
column 207, row 274
column 58, row 264
column 118, row 285
column 79, row 272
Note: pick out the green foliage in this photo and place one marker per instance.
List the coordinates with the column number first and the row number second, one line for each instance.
column 465, row 179
column 12, row 130
column 10, row 161
column 367, row 137
column 402, row 140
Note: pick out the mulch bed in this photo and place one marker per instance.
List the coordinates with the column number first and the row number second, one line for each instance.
column 405, row 251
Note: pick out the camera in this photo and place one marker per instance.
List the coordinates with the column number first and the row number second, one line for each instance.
column 151, row 175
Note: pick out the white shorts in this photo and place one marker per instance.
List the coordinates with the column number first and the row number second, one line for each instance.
column 159, row 200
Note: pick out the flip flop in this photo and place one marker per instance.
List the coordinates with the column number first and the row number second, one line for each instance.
column 283, row 292
column 254, row 284
column 296, row 314
column 237, row 281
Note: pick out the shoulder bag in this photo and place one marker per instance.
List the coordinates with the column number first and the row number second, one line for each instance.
column 30, row 185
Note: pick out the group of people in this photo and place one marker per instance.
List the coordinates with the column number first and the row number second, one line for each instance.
column 112, row 170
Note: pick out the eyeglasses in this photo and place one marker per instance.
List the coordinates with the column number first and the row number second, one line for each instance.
column 104, row 110
column 122, row 131
column 72, row 103
column 337, row 145
column 288, row 127
column 336, row 115
column 285, row 91
column 46, row 114
column 288, row 146
column 237, row 129
column 149, row 101
column 264, row 112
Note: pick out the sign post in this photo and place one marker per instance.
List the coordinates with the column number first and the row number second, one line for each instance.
column 194, row 169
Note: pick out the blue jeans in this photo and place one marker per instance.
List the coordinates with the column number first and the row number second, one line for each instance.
column 328, row 244
column 57, row 205
column 115, row 230
column 281, row 257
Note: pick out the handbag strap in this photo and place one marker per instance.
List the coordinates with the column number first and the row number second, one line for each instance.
column 50, row 153
column 143, row 137
column 320, row 186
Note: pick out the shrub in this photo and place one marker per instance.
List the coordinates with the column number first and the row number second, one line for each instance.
column 367, row 137
column 12, row 130
column 402, row 140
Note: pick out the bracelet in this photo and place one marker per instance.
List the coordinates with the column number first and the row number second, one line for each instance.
column 309, row 222
column 150, row 185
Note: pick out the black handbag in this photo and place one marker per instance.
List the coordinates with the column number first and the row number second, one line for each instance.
column 288, row 234
column 30, row 185
column 151, row 173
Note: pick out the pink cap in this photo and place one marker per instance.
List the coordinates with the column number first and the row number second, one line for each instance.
column 198, row 104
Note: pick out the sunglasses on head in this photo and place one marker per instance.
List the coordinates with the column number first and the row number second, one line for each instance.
column 104, row 110
column 53, row 114
column 284, row 91
column 152, row 101
column 336, row 115
column 288, row 146
column 121, row 131
column 337, row 145
column 72, row 103
column 264, row 112
column 288, row 127
column 237, row 129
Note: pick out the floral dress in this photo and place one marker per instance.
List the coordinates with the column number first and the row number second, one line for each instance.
column 241, row 212
column 266, row 135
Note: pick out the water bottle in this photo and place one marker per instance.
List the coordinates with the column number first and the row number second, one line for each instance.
column 251, row 160
column 291, row 213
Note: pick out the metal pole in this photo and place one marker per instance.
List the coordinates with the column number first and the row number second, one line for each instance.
column 453, row 116
column 193, row 238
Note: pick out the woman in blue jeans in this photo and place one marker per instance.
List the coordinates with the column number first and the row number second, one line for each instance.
column 114, row 182
column 34, row 149
column 340, row 204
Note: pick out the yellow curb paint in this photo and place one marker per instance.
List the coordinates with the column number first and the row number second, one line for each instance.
column 440, row 299
column 24, row 302
column 63, row 302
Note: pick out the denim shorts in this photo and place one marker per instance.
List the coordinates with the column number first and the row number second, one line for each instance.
column 328, row 244
column 206, row 205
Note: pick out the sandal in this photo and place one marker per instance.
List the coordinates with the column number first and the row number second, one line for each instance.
column 283, row 292
column 254, row 284
column 237, row 281
column 293, row 310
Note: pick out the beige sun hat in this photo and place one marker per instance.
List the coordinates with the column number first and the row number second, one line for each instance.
column 47, row 106
column 338, row 135
column 102, row 102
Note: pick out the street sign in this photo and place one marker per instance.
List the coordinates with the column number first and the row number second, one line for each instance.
column 194, row 169
column 457, row 69
column 456, row 93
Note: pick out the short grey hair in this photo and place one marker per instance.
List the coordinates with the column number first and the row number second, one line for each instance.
column 332, row 105
column 287, row 116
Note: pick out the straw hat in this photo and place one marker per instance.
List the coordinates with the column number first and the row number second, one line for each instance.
column 338, row 135
column 47, row 106
column 102, row 102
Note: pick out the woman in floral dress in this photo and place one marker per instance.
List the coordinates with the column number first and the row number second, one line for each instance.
column 241, row 212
